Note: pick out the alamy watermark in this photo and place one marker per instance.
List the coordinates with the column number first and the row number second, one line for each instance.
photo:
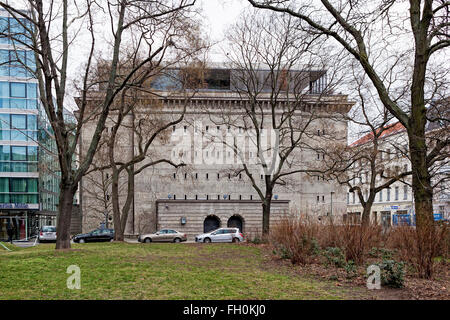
column 374, row 277
column 74, row 280
column 222, row 145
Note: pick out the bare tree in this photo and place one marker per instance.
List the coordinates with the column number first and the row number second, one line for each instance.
column 364, row 166
column 271, row 132
column 139, row 111
column 375, row 32
column 50, row 29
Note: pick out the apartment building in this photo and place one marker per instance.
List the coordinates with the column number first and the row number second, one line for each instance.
column 395, row 205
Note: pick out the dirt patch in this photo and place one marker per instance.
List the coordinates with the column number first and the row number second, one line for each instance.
column 414, row 288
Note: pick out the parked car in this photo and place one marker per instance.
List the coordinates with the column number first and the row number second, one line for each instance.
column 98, row 235
column 165, row 235
column 221, row 235
column 47, row 233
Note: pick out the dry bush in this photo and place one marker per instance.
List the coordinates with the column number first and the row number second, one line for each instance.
column 357, row 240
column 419, row 252
column 295, row 238
column 354, row 239
column 300, row 238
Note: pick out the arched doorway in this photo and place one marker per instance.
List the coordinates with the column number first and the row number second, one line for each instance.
column 211, row 223
column 235, row 222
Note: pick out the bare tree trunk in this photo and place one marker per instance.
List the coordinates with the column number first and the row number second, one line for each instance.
column 266, row 213
column 423, row 205
column 367, row 208
column 64, row 218
column 118, row 232
column 365, row 219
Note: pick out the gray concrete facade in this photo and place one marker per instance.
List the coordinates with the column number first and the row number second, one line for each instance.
column 170, row 213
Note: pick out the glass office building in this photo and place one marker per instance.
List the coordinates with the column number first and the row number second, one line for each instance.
column 21, row 173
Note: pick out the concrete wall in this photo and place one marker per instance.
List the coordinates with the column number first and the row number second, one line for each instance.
column 206, row 178
column 170, row 212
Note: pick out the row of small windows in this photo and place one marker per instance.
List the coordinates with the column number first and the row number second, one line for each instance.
column 15, row 30
column 18, row 127
column 207, row 176
column 211, row 197
column 18, row 121
column 212, row 154
column 18, row 95
column 18, row 153
column 386, row 155
column 218, row 129
column 17, row 63
column 380, row 198
column 364, row 177
column 20, row 186
column 239, row 129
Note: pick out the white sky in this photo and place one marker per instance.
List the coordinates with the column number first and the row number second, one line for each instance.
column 218, row 15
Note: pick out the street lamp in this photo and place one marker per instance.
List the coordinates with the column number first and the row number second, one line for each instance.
column 331, row 211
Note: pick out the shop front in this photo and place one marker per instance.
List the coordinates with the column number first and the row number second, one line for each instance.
column 25, row 220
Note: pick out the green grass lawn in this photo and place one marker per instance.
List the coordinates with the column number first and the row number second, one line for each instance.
column 154, row 271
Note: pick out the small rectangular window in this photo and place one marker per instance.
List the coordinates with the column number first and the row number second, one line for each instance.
column 19, row 121
column 18, row 90
column 18, row 153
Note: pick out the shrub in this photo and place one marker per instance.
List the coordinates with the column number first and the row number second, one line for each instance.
column 295, row 238
column 392, row 273
column 374, row 252
column 386, row 254
column 419, row 248
column 357, row 239
column 350, row 269
column 335, row 257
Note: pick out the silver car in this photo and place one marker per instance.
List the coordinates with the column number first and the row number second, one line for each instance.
column 47, row 233
column 221, row 235
column 165, row 235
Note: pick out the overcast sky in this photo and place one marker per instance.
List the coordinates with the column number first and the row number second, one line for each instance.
column 218, row 15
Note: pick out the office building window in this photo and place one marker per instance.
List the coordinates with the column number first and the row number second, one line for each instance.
column 388, row 194
column 405, row 192
column 18, row 121
column 396, row 193
column 18, row 153
column 18, row 90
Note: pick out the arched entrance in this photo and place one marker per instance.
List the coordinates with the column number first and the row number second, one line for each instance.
column 211, row 223
column 236, row 222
